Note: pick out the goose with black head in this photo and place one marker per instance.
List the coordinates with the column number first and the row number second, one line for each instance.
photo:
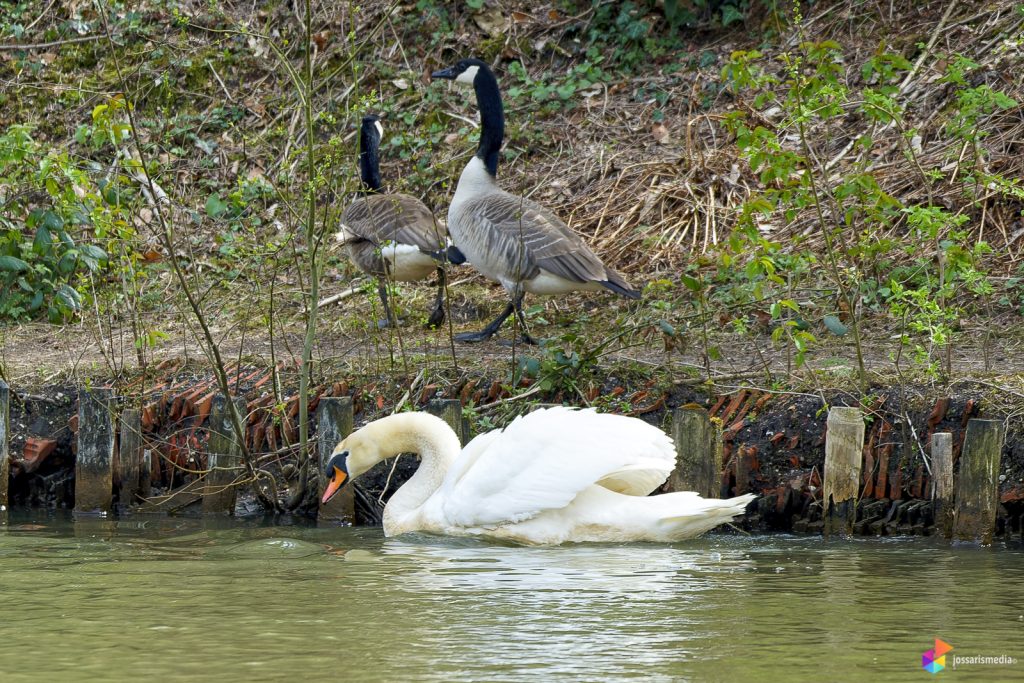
column 511, row 239
column 393, row 236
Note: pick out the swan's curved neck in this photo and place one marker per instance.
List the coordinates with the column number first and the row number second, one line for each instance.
column 421, row 433
column 369, row 163
column 492, row 119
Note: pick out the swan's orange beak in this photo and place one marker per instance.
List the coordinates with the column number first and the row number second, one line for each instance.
column 336, row 482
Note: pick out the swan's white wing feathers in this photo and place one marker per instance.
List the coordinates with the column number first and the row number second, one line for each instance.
column 544, row 459
column 639, row 478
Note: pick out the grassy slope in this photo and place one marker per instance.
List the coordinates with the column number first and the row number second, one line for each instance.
column 617, row 128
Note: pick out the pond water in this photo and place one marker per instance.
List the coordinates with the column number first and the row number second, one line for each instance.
column 176, row 599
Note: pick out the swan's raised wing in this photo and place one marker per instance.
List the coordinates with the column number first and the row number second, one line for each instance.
column 544, row 459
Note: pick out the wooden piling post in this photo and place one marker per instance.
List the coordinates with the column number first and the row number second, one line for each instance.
column 224, row 458
column 5, row 438
column 130, row 452
column 942, row 482
column 449, row 410
column 333, row 423
column 94, row 477
column 698, row 441
column 844, row 447
column 145, row 473
column 977, row 491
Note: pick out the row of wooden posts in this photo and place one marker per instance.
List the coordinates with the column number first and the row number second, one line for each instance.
column 964, row 512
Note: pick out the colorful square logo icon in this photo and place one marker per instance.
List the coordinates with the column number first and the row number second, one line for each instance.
column 933, row 661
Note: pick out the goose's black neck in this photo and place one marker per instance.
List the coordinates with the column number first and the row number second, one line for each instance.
column 492, row 118
column 369, row 163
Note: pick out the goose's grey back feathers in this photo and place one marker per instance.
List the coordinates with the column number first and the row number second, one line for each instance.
column 394, row 226
column 515, row 240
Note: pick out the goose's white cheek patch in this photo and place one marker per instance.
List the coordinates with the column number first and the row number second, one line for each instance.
column 468, row 76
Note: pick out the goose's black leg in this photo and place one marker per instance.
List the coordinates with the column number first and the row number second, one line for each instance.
column 517, row 303
column 437, row 316
column 487, row 332
column 514, row 306
column 389, row 317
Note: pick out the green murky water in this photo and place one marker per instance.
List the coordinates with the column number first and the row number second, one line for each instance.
column 176, row 600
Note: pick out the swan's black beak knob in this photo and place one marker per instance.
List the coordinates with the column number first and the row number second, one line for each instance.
column 337, row 475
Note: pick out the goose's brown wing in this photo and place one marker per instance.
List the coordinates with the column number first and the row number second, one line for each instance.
column 521, row 230
column 392, row 217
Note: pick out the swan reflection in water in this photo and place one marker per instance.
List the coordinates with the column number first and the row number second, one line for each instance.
column 612, row 569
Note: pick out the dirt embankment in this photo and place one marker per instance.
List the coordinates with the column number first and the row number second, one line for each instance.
column 773, row 442
column 635, row 158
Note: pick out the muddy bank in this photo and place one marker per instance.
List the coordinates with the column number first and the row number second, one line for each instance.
column 773, row 442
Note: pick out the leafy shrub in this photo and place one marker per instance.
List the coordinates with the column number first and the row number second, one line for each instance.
column 40, row 260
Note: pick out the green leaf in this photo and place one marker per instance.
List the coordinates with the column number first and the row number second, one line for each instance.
column 52, row 221
column 691, row 283
column 93, row 252
column 835, row 326
column 69, row 297
column 43, row 242
column 151, row 339
column 731, row 15
column 37, row 301
column 666, row 329
column 215, row 206
column 67, row 262
column 13, row 264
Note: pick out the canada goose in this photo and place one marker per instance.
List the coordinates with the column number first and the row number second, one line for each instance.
column 510, row 239
column 555, row 475
column 392, row 235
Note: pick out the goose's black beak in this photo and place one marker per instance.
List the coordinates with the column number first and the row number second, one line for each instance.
column 448, row 74
column 338, row 473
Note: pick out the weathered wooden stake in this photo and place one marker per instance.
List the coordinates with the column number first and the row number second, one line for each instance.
column 942, row 481
column 977, row 491
column 5, row 433
column 698, row 441
column 146, row 473
column 224, row 459
column 130, row 451
column 844, row 447
column 334, row 422
column 449, row 410
column 94, row 478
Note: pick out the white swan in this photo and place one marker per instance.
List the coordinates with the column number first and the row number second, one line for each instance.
column 553, row 476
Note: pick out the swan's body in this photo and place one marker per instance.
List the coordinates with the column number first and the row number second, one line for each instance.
column 553, row 476
column 513, row 240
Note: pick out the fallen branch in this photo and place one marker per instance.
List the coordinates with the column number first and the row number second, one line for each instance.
column 341, row 296
column 52, row 43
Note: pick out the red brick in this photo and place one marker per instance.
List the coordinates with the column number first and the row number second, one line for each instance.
column 36, row 451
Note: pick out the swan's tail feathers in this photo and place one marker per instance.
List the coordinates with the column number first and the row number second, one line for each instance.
column 703, row 514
